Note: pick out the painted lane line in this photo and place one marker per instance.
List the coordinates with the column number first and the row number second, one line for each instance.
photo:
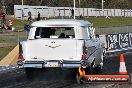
column 8, row 67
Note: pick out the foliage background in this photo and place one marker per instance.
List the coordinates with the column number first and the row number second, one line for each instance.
column 108, row 4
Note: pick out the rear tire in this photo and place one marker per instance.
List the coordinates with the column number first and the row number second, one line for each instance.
column 81, row 80
column 29, row 73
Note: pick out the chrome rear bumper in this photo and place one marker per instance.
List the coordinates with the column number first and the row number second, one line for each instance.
column 48, row 64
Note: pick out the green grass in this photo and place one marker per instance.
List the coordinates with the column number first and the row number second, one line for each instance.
column 4, row 51
column 112, row 22
column 18, row 24
column 100, row 22
column 12, row 37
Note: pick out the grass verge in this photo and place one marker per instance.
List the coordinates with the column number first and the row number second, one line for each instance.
column 99, row 22
column 112, row 22
column 4, row 51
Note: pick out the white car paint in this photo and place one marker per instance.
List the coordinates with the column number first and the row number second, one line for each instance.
column 40, row 52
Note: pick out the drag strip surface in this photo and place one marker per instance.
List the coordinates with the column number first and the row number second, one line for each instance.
column 61, row 78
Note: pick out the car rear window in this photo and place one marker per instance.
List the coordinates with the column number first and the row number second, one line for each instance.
column 54, row 32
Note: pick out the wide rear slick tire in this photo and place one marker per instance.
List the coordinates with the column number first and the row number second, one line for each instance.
column 29, row 73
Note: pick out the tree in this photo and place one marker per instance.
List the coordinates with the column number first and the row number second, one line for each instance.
column 108, row 4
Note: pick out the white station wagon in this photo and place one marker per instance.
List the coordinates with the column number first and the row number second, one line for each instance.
column 63, row 43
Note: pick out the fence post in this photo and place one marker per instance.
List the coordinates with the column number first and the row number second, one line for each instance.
column 130, row 13
column 114, row 12
column 64, row 11
column 87, row 12
column 124, row 13
column 83, row 12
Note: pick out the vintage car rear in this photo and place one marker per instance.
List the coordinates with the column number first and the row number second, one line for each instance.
column 59, row 43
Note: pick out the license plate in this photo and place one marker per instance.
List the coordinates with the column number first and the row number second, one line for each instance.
column 52, row 64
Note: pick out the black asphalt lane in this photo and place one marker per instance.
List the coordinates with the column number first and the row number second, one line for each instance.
column 128, row 60
column 112, row 64
column 63, row 78
column 53, row 74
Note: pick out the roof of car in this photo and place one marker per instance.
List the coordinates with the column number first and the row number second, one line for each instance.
column 60, row 22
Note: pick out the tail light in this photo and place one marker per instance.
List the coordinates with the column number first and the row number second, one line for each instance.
column 20, row 52
column 20, row 60
column 84, row 56
column 84, row 60
column 20, row 56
